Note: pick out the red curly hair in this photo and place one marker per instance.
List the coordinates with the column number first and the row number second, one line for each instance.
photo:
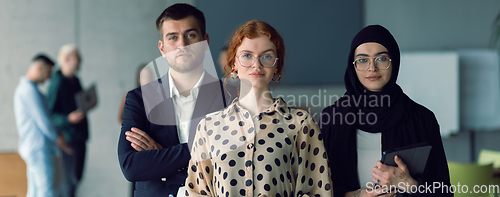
column 251, row 30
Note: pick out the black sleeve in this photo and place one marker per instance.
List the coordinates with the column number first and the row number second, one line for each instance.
column 326, row 128
column 150, row 164
column 436, row 170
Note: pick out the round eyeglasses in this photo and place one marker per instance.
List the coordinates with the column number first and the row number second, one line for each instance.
column 248, row 60
column 363, row 63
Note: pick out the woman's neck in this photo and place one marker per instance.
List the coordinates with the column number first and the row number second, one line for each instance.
column 255, row 100
column 67, row 74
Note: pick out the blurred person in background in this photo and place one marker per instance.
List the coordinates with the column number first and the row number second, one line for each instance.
column 143, row 77
column 233, row 78
column 38, row 138
column 67, row 118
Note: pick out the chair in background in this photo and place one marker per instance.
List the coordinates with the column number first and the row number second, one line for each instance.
column 491, row 157
column 470, row 175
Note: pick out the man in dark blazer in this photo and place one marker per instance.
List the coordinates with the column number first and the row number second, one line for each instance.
column 153, row 150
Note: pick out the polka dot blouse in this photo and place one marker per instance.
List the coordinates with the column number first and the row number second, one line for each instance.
column 277, row 153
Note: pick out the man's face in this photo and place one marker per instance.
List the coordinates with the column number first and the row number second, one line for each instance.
column 181, row 45
column 45, row 71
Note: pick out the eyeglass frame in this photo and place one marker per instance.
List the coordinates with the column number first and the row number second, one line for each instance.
column 274, row 63
column 374, row 64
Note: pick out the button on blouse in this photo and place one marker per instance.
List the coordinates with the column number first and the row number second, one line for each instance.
column 278, row 152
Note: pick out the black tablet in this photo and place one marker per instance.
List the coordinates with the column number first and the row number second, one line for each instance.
column 414, row 156
column 86, row 99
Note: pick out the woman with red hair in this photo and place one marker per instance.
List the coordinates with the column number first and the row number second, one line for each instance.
column 258, row 145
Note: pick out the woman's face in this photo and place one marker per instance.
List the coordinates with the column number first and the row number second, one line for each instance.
column 375, row 78
column 71, row 63
column 263, row 50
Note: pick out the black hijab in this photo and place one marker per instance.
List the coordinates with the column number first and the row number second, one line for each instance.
column 387, row 109
column 401, row 121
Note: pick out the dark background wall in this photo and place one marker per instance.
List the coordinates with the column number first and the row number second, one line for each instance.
column 317, row 34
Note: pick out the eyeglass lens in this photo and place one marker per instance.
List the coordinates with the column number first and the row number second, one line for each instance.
column 248, row 59
column 380, row 63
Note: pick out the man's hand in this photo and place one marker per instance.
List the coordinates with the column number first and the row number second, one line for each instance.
column 61, row 144
column 76, row 117
column 140, row 140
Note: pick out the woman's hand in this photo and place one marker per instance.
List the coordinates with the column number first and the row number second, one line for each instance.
column 75, row 117
column 393, row 177
column 370, row 191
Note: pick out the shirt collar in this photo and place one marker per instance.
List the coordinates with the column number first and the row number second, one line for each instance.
column 194, row 90
column 279, row 106
column 26, row 80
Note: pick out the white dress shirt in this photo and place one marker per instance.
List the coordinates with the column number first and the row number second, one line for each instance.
column 184, row 107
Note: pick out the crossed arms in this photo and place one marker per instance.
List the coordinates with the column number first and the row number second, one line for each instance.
column 148, row 152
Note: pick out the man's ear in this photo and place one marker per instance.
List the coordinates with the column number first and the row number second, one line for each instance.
column 206, row 37
column 208, row 42
column 160, row 47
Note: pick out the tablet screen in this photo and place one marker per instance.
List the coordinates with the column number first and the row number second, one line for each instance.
column 414, row 156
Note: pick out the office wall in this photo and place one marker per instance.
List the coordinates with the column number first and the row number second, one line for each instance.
column 23, row 34
column 429, row 89
column 317, row 34
column 114, row 37
column 435, row 25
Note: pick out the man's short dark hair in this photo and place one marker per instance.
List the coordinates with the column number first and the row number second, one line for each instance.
column 43, row 58
column 180, row 11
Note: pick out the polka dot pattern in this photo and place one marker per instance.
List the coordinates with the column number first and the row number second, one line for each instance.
column 278, row 152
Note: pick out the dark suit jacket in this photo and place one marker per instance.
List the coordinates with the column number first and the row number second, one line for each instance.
column 161, row 172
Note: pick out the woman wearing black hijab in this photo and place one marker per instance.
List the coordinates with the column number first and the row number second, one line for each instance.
column 375, row 115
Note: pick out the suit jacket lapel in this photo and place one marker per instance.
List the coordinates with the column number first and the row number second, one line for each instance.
column 164, row 113
column 209, row 100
